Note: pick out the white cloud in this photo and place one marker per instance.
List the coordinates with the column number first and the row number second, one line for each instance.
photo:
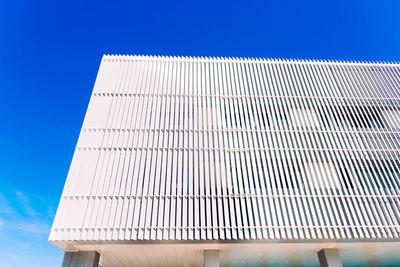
column 5, row 206
column 37, row 229
column 50, row 212
column 25, row 222
column 24, row 202
column 24, row 245
column 26, row 213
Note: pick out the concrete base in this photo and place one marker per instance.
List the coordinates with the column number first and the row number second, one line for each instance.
column 211, row 258
column 81, row 259
column 329, row 257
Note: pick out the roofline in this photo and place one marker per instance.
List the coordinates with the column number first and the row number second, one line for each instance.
column 112, row 57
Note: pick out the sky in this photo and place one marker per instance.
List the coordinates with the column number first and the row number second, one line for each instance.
column 50, row 52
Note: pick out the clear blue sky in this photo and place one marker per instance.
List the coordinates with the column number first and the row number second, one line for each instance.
column 50, row 53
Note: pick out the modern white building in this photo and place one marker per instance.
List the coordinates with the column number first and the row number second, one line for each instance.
column 186, row 161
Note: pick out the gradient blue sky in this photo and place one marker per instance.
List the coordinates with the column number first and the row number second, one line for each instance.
column 50, row 52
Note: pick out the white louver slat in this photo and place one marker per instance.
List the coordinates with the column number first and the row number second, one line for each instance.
column 225, row 149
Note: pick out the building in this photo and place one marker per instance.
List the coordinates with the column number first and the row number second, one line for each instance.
column 235, row 162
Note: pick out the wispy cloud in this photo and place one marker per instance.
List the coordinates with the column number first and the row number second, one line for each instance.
column 23, row 200
column 19, row 213
column 24, row 245
column 51, row 212
column 25, row 222
column 5, row 206
column 35, row 228
column 10, row 259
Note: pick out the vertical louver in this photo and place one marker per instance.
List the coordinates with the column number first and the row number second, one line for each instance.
column 226, row 149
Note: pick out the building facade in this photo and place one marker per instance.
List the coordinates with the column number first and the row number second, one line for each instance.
column 235, row 162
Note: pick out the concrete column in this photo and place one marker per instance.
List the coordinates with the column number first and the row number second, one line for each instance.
column 81, row 259
column 329, row 257
column 211, row 258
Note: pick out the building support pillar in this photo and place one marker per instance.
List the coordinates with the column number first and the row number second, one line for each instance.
column 211, row 258
column 329, row 257
column 81, row 259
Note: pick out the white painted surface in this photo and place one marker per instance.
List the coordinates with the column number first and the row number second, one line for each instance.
column 329, row 257
column 242, row 254
column 211, row 258
column 205, row 149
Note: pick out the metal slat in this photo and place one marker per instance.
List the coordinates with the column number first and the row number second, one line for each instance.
column 222, row 149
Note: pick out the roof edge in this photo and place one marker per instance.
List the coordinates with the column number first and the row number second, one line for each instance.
column 116, row 57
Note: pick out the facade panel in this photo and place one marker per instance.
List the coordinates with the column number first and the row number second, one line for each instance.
column 234, row 149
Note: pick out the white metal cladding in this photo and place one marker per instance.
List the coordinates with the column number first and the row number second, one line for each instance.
column 178, row 148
